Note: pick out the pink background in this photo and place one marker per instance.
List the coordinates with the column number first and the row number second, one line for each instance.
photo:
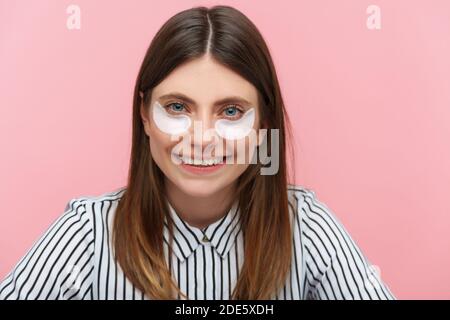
column 371, row 111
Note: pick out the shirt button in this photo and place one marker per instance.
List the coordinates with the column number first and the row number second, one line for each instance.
column 205, row 238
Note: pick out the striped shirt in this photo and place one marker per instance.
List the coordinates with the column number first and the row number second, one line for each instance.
column 74, row 259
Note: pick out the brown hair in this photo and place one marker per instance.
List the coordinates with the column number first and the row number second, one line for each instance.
column 233, row 40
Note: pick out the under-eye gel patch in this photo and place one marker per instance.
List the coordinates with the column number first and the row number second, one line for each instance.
column 169, row 123
column 236, row 129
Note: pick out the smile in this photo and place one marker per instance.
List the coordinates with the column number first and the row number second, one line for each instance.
column 202, row 162
column 199, row 166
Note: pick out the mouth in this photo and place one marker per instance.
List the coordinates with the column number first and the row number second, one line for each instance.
column 202, row 162
column 205, row 166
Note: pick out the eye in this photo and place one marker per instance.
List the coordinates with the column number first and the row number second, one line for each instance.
column 175, row 107
column 233, row 112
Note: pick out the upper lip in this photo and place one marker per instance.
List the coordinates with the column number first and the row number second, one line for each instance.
column 204, row 159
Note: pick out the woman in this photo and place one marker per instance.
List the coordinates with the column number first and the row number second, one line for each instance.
column 197, row 225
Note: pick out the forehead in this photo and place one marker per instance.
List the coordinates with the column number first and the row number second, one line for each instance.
column 204, row 80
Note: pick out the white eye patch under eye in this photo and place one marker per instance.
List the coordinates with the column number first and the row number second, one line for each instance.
column 236, row 129
column 168, row 123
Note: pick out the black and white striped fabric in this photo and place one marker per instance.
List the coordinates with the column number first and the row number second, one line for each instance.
column 74, row 258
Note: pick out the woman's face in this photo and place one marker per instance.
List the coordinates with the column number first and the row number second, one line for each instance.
column 205, row 84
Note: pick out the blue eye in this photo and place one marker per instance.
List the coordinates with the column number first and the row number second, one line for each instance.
column 232, row 112
column 176, row 107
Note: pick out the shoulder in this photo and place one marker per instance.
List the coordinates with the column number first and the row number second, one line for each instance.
column 99, row 205
column 114, row 195
column 308, row 205
column 95, row 213
column 297, row 194
column 320, row 229
column 66, row 248
column 303, row 201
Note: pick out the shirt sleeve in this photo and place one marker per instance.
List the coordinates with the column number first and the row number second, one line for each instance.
column 59, row 265
column 336, row 268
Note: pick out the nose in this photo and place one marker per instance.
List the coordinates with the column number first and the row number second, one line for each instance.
column 202, row 132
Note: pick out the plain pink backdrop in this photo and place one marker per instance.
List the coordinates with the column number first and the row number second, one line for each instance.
column 370, row 109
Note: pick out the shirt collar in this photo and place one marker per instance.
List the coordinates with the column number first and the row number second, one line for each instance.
column 221, row 233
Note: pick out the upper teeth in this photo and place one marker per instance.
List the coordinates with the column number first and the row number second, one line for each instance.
column 200, row 162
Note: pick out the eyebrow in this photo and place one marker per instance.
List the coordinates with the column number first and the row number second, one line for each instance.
column 180, row 96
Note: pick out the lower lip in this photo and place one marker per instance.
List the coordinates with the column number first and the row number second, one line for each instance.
column 203, row 169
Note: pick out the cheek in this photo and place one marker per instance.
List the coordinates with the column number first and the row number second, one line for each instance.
column 167, row 123
column 160, row 144
column 236, row 129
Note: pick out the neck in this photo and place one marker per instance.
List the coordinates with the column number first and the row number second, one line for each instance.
column 200, row 212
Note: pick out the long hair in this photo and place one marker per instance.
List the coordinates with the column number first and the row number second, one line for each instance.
column 234, row 41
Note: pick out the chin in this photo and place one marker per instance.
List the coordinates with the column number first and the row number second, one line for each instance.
column 199, row 188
